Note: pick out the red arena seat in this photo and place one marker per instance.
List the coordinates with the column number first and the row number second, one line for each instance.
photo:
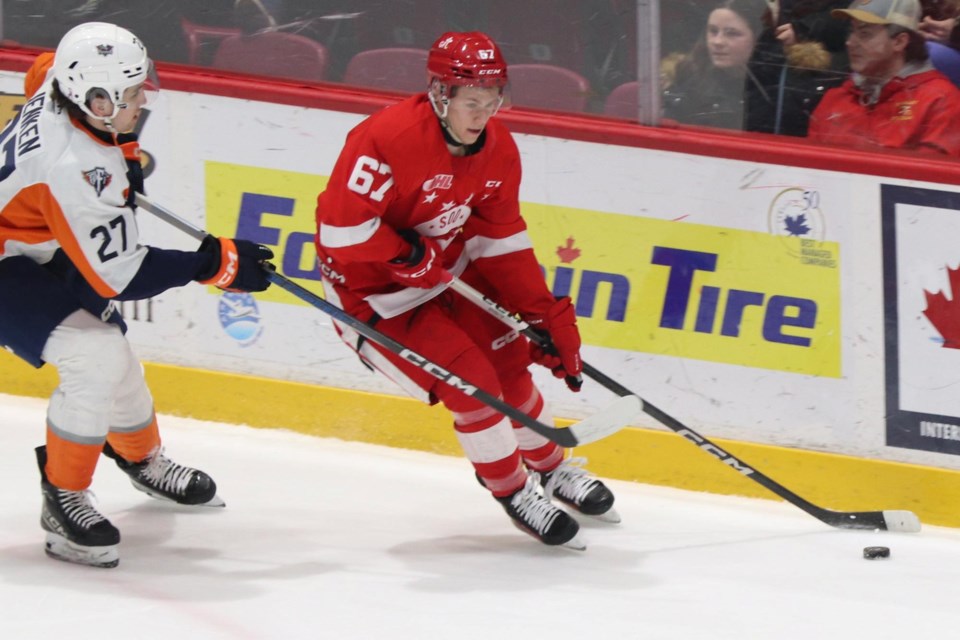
column 391, row 69
column 202, row 40
column 277, row 54
column 545, row 86
column 622, row 102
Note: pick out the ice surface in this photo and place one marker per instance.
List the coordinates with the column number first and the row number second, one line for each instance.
column 329, row 539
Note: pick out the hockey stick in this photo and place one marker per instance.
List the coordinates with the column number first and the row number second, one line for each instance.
column 600, row 425
column 891, row 520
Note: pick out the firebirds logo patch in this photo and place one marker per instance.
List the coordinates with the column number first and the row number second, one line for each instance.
column 98, row 178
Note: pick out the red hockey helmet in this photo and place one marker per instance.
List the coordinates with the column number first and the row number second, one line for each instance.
column 471, row 58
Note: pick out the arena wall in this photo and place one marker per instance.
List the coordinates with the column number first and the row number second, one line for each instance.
column 792, row 303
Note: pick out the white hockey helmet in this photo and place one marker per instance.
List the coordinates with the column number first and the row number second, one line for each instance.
column 98, row 58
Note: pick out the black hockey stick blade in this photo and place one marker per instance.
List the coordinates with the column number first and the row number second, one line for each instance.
column 600, row 425
column 891, row 520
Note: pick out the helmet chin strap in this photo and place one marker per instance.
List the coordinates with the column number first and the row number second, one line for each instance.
column 449, row 136
column 444, row 102
column 107, row 120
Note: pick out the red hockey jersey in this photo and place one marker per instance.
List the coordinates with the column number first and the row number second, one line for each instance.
column 395, row 173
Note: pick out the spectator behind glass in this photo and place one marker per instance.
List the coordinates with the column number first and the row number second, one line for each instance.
column 894, row 98
column 708, row 86
column 796, row 61
column 940, row 23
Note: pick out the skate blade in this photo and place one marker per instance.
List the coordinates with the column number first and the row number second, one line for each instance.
column 575, row 543
column 59, row 548
column 611, row 516
column 215, row 501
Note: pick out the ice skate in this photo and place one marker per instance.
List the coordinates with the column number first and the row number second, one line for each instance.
column 570, row 484
column 76, row 531
column 160, row 477
column 535, row 515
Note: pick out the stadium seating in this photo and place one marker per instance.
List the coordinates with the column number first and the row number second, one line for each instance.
column 622, row 102
column 391, row 69
column 545, row 86
column 275, row 54
column 202, row 40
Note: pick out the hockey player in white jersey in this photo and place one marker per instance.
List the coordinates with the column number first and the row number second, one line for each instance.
column 69, row 247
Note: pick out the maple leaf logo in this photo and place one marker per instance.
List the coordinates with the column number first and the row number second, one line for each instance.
column 797, row 225
column 944, row 314
column 568, row 253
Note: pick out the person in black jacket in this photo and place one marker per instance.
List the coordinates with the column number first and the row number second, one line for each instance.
column 708, row 87
column 797, row 59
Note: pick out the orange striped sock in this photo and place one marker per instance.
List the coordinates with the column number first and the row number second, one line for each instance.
column 135, row 446
column 70, row 465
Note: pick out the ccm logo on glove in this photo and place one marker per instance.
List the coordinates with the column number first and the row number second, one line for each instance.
column 229, row 261
column 236, row 265
column 423, row 268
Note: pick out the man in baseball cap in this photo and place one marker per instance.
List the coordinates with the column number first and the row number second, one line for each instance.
column 904, row 13
column 894, row 98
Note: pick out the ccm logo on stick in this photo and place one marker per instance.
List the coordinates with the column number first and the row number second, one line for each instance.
column 438, row 371
column 716, row 452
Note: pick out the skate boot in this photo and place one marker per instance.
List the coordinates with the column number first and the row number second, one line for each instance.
column 160, row 477
column 570, row 484
column 76, row 531
column 535, row 515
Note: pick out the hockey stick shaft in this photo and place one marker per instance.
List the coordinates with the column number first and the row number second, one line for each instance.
column 593, row 428
column 895, row 520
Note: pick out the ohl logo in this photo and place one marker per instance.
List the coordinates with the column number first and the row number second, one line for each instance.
column 240, row 317
column 590, row 283
column 439, row 181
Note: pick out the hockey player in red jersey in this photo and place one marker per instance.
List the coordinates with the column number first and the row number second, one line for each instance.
column 429, row 186
column 69, row 247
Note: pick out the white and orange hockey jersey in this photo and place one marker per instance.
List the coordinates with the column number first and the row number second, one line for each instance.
column 65, row 186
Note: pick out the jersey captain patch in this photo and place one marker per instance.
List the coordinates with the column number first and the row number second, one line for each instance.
column 98, row 178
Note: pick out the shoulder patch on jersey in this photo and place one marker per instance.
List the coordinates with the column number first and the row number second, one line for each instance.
column 98, row 178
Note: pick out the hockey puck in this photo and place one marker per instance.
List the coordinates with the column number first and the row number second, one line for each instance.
column 875, row 553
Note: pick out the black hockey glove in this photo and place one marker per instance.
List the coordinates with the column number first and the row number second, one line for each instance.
column 237, row 265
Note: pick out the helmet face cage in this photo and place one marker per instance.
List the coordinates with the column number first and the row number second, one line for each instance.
column 469, row 59
column 100, row 60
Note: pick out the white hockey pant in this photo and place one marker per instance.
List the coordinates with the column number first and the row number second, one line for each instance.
column 101, row 381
